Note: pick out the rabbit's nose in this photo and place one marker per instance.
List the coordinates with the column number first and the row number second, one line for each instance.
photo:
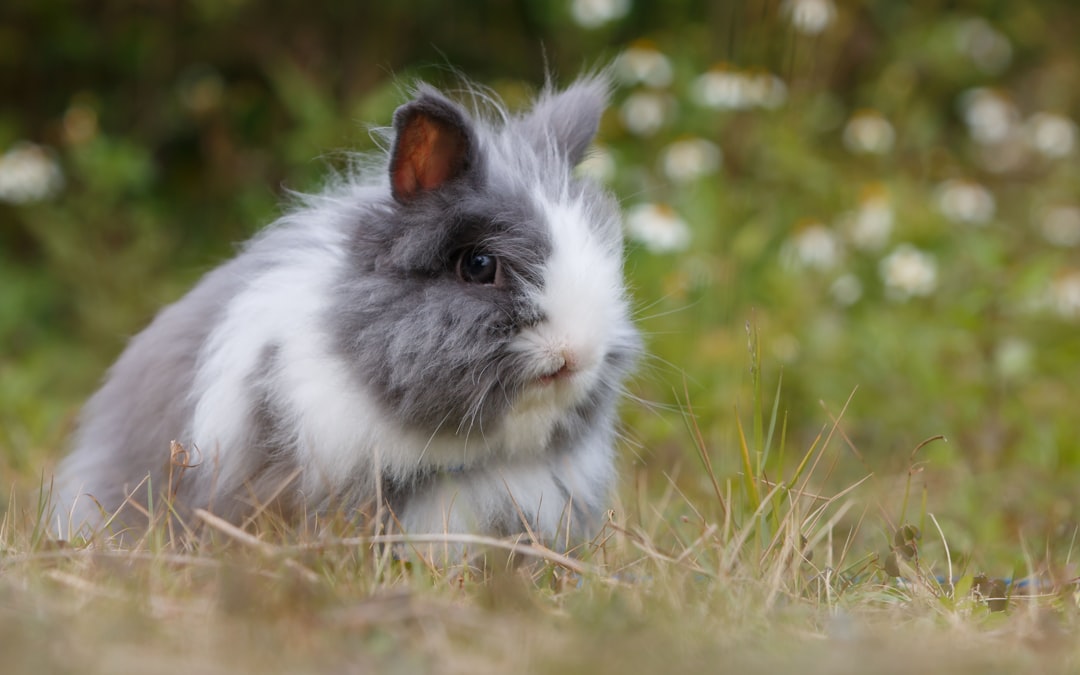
column 563, row 368
column 566, row 363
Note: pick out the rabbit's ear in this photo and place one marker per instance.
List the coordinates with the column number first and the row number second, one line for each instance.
column 568, row 118
column 433, row 144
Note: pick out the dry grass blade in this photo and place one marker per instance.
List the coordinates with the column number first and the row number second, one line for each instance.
column 702, row 448
column 233, row 532
column 513, row 546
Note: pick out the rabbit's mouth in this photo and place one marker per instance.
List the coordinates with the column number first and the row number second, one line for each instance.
column 563, row 372
column 559, row 386
column 557, row 383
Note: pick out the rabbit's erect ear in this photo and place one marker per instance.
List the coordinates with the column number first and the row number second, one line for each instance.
column 433, row 144
column 570, row 117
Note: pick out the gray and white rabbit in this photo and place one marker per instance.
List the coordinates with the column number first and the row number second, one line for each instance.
column 442, row 335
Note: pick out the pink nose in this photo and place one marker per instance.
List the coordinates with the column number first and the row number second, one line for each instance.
column 569, row 365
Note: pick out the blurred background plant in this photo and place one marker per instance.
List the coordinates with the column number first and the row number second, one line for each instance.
column 888, row 192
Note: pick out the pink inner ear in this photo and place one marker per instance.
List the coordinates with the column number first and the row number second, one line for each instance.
column 429, row 153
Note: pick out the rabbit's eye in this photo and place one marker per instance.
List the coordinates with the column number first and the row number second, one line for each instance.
column 477, row 267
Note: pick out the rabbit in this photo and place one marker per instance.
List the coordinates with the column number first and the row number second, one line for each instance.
column 440, row 336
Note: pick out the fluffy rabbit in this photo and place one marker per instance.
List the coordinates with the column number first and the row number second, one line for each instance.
column 439, row 337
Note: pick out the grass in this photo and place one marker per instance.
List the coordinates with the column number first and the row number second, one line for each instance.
column 762, row 572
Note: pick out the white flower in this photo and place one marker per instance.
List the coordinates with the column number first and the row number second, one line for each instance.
column 987, row 48
column 870, row 227
column 643, row 113
column 1065, row 295
column 1013, row 357
column 908, row 272
column 765, row 90
column 690, row 159
column 595, row 13
column 868, row 132
column 1060, row 225
column 810, row 16
column 813, row 246
column 990, row 117
column 658, row 227
column 1052, row 136
column 993, row 122
column 643, row 63
column 721, row 88
column 724, row 88
column 598, row 165
column 965, row 202
column 846, row 290
column 29, row 173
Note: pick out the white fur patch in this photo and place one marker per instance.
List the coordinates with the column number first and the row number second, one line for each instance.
column 279, row 307
column 528, row 488
column 583, row 301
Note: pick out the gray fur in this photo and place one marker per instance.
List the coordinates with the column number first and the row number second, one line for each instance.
column 569, row 120
column 433, row 352
column 432, row 348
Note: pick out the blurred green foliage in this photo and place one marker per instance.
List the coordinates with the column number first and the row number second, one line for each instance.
column 887, row 190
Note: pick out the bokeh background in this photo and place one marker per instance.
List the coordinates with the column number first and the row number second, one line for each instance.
column 886, row 193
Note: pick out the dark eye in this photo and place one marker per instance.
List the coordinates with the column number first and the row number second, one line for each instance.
column 477, row 267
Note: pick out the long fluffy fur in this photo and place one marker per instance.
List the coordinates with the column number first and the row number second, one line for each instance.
column 338, row 359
